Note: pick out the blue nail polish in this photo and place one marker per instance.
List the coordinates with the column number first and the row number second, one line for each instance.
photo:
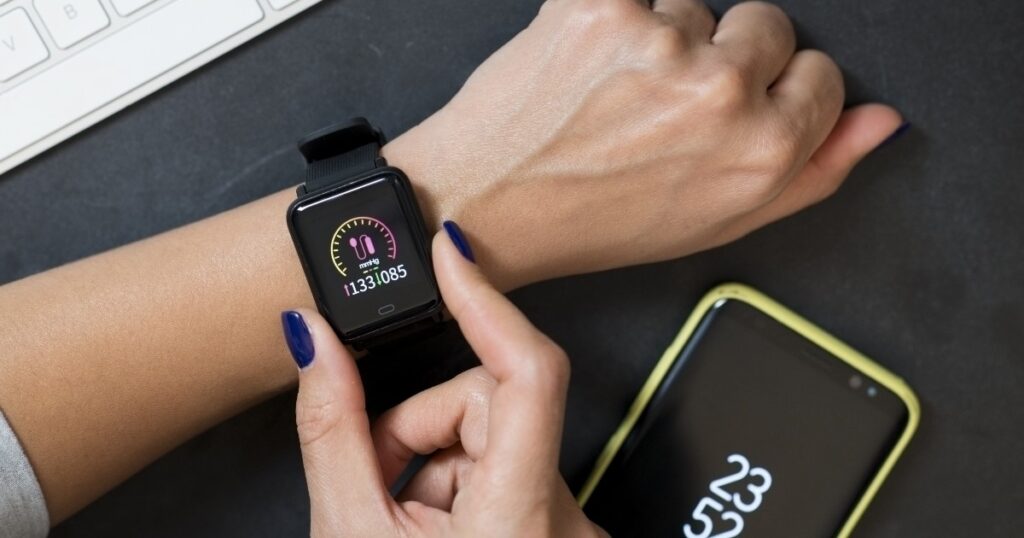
column 296, row 334
column 455, row 233
column 899, row 132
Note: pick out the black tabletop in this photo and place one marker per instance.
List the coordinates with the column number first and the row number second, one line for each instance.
column 917, row 261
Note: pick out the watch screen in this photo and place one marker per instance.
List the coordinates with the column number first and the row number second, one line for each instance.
column 363, row 255
column 755, row 431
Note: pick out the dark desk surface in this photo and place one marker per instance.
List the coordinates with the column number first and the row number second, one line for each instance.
column 917, row 261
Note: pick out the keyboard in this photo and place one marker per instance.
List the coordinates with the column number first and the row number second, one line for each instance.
column 67, row 64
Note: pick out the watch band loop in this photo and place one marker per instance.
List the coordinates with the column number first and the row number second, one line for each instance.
column 341, row 151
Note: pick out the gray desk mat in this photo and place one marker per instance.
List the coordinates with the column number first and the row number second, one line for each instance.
column 917, row 260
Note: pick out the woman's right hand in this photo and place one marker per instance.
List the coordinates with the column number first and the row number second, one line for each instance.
column 495, row 431
column 610, row 133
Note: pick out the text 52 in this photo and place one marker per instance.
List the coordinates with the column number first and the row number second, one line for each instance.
column 704, row 518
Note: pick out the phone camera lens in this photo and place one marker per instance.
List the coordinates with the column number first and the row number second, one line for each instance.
column 872, row 391
column 855, row 382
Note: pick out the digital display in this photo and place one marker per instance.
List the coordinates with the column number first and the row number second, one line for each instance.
column 363, row 256
column 755, row 431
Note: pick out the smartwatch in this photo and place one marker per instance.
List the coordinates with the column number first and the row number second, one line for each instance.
column 360, row 236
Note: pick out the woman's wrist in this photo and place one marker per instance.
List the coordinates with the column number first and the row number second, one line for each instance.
column 445, row 182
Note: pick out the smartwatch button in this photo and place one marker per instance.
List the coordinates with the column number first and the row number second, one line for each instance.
column 386, row 309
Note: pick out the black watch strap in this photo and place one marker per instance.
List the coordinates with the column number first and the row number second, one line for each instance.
column 339, row 152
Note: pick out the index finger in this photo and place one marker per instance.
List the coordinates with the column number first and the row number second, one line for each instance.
column 528, row 405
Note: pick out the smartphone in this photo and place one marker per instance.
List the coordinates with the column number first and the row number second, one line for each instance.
column 753, row 423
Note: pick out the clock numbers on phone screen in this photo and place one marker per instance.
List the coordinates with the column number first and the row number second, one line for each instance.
column 712, row 515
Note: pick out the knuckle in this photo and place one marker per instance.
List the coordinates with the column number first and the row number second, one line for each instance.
column 770, row 10
column 759, row 189
column 766, row 11
column 771, row 27
column 561, row 367
column 831, row 73
column 665, row 43
column 315, row 419
column 480, row 380
column 550, row 368
column 755, row 193
column 770, row 164
column 774, row 169
column 727, row 89
column 479, row 385
column 832, row 89
column 586, row 11
column 601, row 13
column 825, row 62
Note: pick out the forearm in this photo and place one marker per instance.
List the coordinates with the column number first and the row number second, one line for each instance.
column 111, row 361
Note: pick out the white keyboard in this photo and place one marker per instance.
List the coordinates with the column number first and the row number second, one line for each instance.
column 67, row 64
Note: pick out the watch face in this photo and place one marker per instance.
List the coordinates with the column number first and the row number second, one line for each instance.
column 363, row 255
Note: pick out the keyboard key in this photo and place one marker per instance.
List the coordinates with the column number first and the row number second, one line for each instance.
column 20, row 44
column 281, row 4
column 127, row 7
column 70, row 21
column 123, row 61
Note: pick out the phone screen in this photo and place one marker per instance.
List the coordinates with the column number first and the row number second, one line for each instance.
column 755, row 431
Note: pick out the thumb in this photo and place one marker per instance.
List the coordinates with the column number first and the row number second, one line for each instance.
column 346, row 489
column 859, row 131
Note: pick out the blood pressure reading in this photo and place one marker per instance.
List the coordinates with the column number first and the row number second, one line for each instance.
column 357, row 249
column 363, row 254
column 755, row 432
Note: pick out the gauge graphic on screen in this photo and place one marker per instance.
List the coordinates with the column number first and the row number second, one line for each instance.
column 361, row 244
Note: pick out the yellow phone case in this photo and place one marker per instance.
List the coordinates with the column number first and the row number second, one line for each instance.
column 810, row 331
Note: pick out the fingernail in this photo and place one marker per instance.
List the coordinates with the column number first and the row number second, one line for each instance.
column 899, row 132
column 296, row 334
column 455, row 233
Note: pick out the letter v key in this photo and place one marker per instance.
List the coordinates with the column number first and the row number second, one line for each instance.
column 20, row 45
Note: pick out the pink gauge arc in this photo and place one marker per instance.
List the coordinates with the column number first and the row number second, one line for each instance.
column 361, row 239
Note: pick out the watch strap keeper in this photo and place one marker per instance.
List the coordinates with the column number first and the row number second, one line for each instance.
column 340, row 152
